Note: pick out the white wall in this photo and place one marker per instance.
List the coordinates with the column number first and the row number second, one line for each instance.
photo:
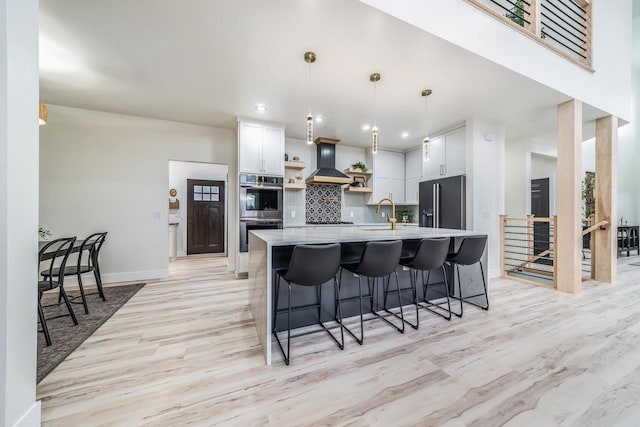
column 18, row 211
column 109, row 172
column 485, row 145
column 179, row 173
column 517, row 172
column 474, row 30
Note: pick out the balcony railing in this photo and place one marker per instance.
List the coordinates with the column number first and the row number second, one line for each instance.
column 563, row 26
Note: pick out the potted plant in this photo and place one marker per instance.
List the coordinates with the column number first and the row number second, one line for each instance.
column 405, row 216
column 44, row 233
column 360, row 165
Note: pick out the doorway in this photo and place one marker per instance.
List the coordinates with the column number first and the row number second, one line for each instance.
column 540, row 209
column 205, row 216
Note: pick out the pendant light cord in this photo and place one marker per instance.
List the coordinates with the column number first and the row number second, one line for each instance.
column 375, row 104
column 309, row 88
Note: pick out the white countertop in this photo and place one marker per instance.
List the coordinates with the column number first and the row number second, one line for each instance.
column 360, row 225
column 342, row 234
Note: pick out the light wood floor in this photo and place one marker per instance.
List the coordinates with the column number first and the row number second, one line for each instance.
column 185, row 352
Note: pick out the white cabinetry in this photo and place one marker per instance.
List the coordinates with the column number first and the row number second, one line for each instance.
column 447, row 156
column 388, row 176
column 261, row 148
column 413, row 174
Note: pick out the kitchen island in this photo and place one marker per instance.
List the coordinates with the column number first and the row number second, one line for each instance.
column 270, row 250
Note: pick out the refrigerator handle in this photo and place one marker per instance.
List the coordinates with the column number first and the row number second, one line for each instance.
column 436, row 205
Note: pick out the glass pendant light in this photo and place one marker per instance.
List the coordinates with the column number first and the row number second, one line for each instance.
column 374, row 78
column 426, row 146
column 310, row 58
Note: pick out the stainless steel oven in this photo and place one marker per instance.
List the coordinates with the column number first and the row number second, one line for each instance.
column 261, row 197
column 248, row 224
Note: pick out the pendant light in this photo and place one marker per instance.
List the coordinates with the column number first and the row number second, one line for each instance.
column 374, row 78
column 309, row 58
column 426, row 146
column 42, row 114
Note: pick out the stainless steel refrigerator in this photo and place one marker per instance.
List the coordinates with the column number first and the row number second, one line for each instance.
column 442, row 203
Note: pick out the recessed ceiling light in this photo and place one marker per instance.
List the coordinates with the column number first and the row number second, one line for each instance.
column 366, row 127
column 405, row 134
column 319, row 119
column 261, row 108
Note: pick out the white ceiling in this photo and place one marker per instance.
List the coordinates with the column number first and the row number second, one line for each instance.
column 207, row 62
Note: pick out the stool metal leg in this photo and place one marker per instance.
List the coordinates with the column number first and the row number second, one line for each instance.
column 82, row 295
column 285, row 355
column 466, row 298
column 430, row 306
column 386, row 284
column 68, row 304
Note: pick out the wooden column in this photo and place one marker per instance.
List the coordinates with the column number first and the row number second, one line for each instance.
column 534, row 17
column 606, row 199
column 503, row 237
column 569, row 224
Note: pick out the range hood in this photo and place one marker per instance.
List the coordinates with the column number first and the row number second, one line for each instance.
column 326, row 161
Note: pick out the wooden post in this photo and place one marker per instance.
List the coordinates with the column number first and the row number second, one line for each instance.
column 534, row 17
column 569, row 224
column 555, row 252
column 503, row 269
column 605, row 265
column 530, row 245
column 592, row 247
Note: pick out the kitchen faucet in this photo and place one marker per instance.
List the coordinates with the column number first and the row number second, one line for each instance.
column 392, row 219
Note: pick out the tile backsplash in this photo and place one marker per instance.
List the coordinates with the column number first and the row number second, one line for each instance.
column 323, row 203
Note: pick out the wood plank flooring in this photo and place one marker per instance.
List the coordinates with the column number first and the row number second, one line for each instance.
column 184, row 351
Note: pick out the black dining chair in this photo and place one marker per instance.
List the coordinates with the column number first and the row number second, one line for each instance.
column 470, row 253
column 87, row 263
column 310, row 265
column 55, row 252
column 379, row 260
column 431, row 255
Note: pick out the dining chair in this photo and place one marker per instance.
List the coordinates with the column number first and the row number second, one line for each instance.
column 87, row 263
column 55, row 252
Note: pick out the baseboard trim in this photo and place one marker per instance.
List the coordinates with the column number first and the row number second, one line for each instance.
column 494, row 272
column 129, row 276
column 31, row 418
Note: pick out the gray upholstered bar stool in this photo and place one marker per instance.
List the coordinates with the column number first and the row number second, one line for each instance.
column 379, row 260
column 431, row 255
column 470, row 253
column 310, row 265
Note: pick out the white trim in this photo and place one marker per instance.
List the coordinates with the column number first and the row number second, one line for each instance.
column 31, row 418
column 129, row 276
column 494, row 273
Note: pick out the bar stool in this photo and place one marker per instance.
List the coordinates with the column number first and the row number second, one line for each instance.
column 310, row 265
column 431, row 255
column 470, row 253
column 379, row 260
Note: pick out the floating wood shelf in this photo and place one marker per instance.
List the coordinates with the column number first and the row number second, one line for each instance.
column 358, row 190
column 291, row 186
column 295, row 165
column 351, row 171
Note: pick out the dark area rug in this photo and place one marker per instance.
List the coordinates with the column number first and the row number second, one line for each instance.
column 66, row 336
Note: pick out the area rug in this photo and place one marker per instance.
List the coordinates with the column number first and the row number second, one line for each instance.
column 65, row 336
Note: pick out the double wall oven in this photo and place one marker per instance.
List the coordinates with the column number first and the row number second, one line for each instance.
column 261, row 200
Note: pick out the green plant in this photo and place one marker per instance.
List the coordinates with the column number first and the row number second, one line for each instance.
column 44, row 233
column 516, row 14
column 588, row 199
column 360, row 165
column 406, row 214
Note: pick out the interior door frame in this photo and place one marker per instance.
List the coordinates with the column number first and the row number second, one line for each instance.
column 176, row 181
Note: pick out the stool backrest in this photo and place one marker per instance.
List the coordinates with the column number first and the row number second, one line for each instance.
column 52, row 252
column 471, row 250
column 313, row 265
column 431, row 254
column 380, row 259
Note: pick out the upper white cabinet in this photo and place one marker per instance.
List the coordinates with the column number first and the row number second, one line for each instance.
column 388, row 176
column 260, row 148
column 413, row 175
column 447, row 157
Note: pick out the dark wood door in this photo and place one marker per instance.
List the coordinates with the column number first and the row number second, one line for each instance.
column 540, row 208
column 205, row 216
